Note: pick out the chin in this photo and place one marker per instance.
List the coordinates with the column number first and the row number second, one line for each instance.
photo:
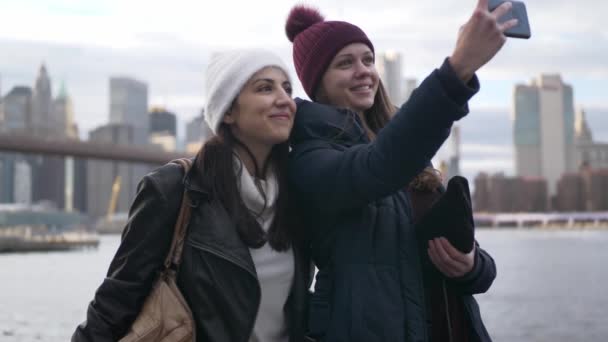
column 279, row 138
column 364, row 105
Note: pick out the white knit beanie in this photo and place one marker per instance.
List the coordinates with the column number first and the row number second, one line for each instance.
column 226, row 75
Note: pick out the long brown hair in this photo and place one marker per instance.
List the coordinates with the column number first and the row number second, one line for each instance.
column 215, row 167
column 380, row 112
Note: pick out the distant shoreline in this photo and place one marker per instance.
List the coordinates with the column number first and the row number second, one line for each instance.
column 546, row 228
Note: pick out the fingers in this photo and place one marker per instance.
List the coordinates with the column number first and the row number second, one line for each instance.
column 452, row 252
column 436, row 260
column 482, row 4
column 479, row 40
column 448, row 259
column 451, row 261
column 441, row 261
column 508, row 25
column 501, row 10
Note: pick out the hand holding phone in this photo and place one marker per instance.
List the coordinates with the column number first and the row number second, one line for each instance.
column 480, row 39
column 518, row 11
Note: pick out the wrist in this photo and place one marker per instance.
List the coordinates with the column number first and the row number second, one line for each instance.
column 464, row 73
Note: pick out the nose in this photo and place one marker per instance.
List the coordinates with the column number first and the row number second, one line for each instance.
column 284, row 99
column 362, row 70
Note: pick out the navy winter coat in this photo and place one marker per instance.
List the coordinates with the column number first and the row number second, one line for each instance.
column 369, row 287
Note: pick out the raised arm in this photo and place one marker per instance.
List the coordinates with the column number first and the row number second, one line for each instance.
column 335, row 178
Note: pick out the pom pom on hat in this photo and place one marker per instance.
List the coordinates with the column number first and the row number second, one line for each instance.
column 300, row 18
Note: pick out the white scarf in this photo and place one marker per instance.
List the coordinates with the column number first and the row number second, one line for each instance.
column 274, row 269
column 252, row 197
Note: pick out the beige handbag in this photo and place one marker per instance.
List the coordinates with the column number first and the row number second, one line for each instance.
column 165, row 315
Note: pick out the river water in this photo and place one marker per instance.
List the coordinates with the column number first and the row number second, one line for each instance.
column 551, row 286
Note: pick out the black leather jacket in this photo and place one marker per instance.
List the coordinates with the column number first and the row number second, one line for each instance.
column 217, row 276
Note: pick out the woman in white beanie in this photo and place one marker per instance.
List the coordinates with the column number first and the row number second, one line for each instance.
column 244, row 273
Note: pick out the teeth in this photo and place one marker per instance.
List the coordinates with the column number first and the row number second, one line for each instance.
column 365, row 87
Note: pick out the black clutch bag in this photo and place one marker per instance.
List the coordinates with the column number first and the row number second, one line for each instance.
column 447, row 214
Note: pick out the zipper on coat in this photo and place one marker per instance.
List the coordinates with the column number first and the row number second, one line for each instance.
column 447, row 309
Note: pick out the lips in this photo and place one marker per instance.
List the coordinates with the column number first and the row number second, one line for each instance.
column 362, row 87
column 280, row 116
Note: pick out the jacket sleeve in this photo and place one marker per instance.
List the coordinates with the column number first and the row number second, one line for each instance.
column 481, row 276
column 145, row 242
column 332, row 180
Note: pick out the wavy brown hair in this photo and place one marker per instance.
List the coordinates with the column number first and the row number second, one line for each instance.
column 215, row 167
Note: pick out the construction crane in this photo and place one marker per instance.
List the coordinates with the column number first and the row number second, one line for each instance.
column 113, row 198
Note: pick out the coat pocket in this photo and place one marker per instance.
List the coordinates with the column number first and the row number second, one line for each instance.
column 377, row 307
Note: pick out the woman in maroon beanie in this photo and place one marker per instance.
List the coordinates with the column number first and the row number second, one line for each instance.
column 353, row 156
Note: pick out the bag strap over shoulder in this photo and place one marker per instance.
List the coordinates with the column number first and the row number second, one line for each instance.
column 179, row 233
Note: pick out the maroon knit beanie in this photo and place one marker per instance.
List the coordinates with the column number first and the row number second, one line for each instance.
column 316, row 42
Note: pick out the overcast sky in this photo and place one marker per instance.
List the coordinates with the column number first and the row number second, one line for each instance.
column 167, row 45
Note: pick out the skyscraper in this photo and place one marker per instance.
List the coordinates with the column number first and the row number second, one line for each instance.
column 589, row 153
column 22, row 192
column 162, row 120
column 101, row 174
column 48, row 172
column 34, row 112
column 18, row 110
column 63, row 111
column 1, row 107
column 544, row 129
column 17, row 116
column 129, row 105
column 389, row 67
column 447, row 159
column 197, row 132
column 43, row 124
column 454, row 160
column 45, row 120
column 582, row 133
column 163, row 129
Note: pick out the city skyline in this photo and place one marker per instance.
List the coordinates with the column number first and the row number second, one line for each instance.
column 483, row 150
column 168, row 46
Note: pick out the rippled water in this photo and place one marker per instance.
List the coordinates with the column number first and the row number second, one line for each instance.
column 551, row 286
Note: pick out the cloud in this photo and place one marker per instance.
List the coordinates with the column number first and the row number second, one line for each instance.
column 167, row 45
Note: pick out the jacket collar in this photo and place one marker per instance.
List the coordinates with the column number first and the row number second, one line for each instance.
column 192, row 180
column 318, row 121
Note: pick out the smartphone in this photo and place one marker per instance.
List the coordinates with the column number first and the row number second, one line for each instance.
column 518, row 11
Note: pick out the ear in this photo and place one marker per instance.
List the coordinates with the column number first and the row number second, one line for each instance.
column 228, row 118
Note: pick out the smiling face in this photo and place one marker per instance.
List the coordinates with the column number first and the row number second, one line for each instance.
column 351, row 80
column 263, row 112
